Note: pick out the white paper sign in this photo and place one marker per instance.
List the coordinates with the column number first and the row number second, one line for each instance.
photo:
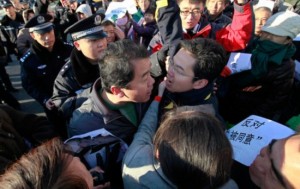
column 252, row 134
column 117, row 10
column 91, row 134
column 239, row 62
column 297, row 38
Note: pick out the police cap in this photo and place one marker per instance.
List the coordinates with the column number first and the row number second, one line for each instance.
column 40, row 24
column 89, row 27
column 6, row 3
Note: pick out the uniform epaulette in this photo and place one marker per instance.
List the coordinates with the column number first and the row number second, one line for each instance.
column 25, row 56
column 68, row 43
column 66, row 67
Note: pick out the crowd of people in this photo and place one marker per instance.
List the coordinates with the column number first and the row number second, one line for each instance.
column 156, row 75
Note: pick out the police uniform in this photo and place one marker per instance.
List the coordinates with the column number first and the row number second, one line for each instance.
column 10, row 29
column 39, row 67
column 73, row 83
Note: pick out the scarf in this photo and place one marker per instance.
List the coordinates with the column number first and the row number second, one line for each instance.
column 83, row 70
column 265, row 54
column 268, row 52
column 193, row 97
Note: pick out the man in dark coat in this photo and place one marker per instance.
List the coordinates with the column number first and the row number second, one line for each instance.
column 73, row 83
column 40, row 65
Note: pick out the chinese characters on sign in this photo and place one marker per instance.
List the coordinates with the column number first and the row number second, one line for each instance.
column 250, row 135
column 243, row 137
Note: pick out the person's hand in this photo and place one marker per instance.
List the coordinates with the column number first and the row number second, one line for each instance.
column 106, row 185
column 49, row 104
column 161, row 87
column 119, row 33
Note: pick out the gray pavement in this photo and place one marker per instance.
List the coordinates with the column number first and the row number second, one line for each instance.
column 28, row 104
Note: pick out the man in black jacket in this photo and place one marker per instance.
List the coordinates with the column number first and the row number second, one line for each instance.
column 11, row 23
column 41, row 64
column 73, row 83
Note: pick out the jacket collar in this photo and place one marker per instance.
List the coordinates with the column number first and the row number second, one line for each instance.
column 83, row 70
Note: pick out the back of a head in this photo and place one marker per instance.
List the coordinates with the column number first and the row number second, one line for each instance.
column 193, row 150
column 43, row 167
column 210, row 57
column 116, row 64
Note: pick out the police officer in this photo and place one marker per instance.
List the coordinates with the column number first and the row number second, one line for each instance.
column 11, row 23
column 74, row 81
column 41, row 64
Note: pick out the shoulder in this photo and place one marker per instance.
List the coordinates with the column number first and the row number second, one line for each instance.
column 68, row 44
column 19, row 18
column 66, row 69
column 26, row 56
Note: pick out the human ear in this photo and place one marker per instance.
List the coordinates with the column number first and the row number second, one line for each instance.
column 199, row 84
column 117, row 91
column 77, row 46
column 156, row 154
column 32, row 35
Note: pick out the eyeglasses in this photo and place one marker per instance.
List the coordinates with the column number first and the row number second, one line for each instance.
column 177, row 69
column 194, row 12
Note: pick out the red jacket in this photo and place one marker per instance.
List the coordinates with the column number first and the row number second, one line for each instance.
column 233, row 37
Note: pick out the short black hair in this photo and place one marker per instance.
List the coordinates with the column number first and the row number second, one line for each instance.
column 116, row 67
column 210, row 57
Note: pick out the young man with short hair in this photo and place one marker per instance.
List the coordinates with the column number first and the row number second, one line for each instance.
column 41, row 64
column 233, row 37
column 74, row 81
column 191, row 76
column 214, row 12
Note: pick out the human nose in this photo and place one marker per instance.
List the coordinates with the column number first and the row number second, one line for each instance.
column 190, row 15
column 150, row 81
column 171, row 71
column 260, row 22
